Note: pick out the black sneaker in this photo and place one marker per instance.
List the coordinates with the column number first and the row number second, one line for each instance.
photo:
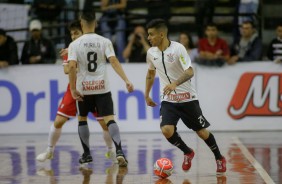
column 122, row 162
column 85, row 158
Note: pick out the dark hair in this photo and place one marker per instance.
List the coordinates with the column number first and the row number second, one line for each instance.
column 88, row 15
column 157, row 23
column 211, row 24
column 75, row 25
column 2, row 32
column 250, row 22
column 191, row 43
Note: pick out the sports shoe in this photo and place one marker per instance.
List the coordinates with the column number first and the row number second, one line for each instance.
column 187, row 163
column 221, row 165
column 111, row 155
column 85, row 158
column 42, row 157
column 122, row 162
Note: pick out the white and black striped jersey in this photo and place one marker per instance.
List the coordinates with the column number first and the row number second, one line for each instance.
column 90, row 52
column 170, row 65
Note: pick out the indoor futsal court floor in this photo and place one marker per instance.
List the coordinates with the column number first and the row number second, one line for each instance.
column 252, row 158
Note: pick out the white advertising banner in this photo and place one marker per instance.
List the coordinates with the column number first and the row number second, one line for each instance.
column 246, row 96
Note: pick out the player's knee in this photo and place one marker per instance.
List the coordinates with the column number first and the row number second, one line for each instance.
column 167, row 130
column 203, row 133
column 82, row 118
column 110, row 122
column 60, row 121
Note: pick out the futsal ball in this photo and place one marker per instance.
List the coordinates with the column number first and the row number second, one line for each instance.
column 163, row 167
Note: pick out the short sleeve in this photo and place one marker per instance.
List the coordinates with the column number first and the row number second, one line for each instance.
column 149, row 61
column 184, row 58
column 72, row 52
column 109, row 49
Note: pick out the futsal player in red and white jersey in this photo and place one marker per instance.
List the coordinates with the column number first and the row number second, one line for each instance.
column 67, row 110
column 90, row 84
column 179, row 99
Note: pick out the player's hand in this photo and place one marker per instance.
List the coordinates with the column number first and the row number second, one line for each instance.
column 150, row 102
column 129, row 86
column 169, row 88
column 76, row 95
column 63, row 52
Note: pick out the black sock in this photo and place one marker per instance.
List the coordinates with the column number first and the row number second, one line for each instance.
column 176, row 140
column 114, row 133
column 83, row 132
column 210, row 141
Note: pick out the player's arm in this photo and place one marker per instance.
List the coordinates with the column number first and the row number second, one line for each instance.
column 188, row 73
column 118, row 69
column 150, row 78
column 72, row 74
column 64, row 55
column 72, row 79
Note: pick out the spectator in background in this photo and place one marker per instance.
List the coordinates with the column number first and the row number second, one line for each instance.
column 186, row 40
column 113, row 22
column 8, row 50
column 38, row 50
column 213, row 51
column 204, row 14
column 248, row 47
column 274, row 52
column 137, row 46
column 249, row 7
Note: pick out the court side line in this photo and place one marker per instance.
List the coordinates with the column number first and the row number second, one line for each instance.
column 253, row 161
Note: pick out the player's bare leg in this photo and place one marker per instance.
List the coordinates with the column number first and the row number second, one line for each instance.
column 211, row 142
column 115, row 135
column 54, row 135
column 174, row 138
column 84, row 134
column 110, row 154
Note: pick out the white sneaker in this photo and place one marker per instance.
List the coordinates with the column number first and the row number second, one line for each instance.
column 111, row 155
column 42, row 157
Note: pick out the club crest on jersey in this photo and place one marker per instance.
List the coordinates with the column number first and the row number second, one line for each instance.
column 170, row 58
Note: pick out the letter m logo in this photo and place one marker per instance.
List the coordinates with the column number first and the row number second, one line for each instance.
column 257, row 94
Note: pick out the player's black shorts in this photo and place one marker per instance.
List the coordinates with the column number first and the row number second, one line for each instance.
column 100, row 103
column 189, row 112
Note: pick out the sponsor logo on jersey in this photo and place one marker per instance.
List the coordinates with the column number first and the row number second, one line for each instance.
column 257, row 94
column 93, row 85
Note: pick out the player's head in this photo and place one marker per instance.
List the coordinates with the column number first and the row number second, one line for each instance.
column 279, row 30
column 75, row 30
column 211, row 30
column 88, row 19
column 157, row 31
column 3, row 37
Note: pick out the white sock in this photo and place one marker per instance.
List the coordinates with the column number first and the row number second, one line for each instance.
column 54, row 135
column 108, row 139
